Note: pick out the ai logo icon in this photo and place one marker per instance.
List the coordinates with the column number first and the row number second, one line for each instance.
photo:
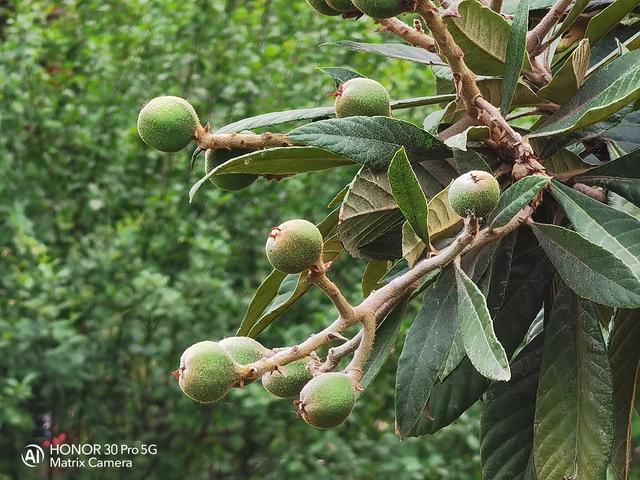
column 33, row 455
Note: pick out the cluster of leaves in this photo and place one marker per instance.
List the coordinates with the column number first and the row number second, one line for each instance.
column 108, row 273
column 543, row 323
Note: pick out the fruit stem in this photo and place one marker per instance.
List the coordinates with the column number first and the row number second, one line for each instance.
column 319, row 277
column 246, row 141
column 355, row 369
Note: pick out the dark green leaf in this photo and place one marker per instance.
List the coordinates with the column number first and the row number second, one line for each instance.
column 611, row 229
column 627, row 166
column 408, row 194
column 591, row 271
column 607, row 19
column 480, row 343
column 392, row 50
column 425, row 351
column 340, row 74
column 569, row 78
column 574, row 408
column 506, row 428
column 276, row 161
column 373, row 275
column 516, row 197
column 278, row 118
column 515, row 55
column 607, row 91
column 624, row 346
column 370, row 141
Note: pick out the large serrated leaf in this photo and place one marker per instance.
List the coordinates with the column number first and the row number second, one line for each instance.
column 624, row 346
column 278, row 118
column 443, row 220
column 425, row 350
column 399, row 51
column 516, row 197
column 627, row 166
column 529, row 276
column 591, row 271
column 574, row 408
column 607, row 227
column 569, row 78
column 480, row 342
column 607, row 91
column 370, row 141
column 276, row 161
column 506, row 427
column 607, row 19
column 515, row 55
column 408, row 194
column 483, row 35
column 386, row 335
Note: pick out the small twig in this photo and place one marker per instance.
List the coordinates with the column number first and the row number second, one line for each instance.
column 336, row 354
column 458, row 127
column 496, row 5
column 355, row 369
column 343, row 306
column 536, row 35
column 411, row 35
column 595, row 193
column 248, row 141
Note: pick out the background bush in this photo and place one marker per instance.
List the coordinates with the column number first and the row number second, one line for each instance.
column 108, row 272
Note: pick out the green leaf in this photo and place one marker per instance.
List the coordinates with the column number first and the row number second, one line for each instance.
column 392, row 50
column 386, row 335
column 278, row 118
column 607, row 19
column 574, row 409
column 624, row 346
column 569, row 78
column 491, row 89
column 602, row 225
column 627, row 166
column 420, row 101
column 483, row 35
column 455, row 356
column 408, row 194
column 370, row 221
column 607, row 91
column 577, row 8
column 461, row 139
column 370, row 141
column 483, row 348
column 529, row 275
column 340, row 74
column 412, row 246
column 515, row 55
column 591, row 271
column 443, row 221
column 372, row 275
column 516, row 197
column 276, row 161
column 425, row 350
column 565, row 164
column 626, row 187
column 506, row 426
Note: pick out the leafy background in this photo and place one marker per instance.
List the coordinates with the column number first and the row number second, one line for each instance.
column 108, row 272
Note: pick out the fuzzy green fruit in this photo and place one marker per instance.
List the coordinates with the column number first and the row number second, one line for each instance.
column 244, row 350
column 167, row 124
column 382, row 8
column 474, row 192
column 207, row 372
column 327, row 400
column 288, row 384
column 322, row 7
column 362, row 96
column 343, row 6
column 294, row 246
column 231, row 182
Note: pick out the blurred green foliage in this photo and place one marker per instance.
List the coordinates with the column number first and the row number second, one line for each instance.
column 108, row 272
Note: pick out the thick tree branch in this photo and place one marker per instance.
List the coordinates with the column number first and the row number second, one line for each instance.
column 536, row 35
column 410, row 34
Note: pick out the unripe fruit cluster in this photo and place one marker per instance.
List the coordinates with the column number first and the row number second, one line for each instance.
column 208, row 370
column 474, row 192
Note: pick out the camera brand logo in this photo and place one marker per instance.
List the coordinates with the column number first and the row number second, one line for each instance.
column 33, row 455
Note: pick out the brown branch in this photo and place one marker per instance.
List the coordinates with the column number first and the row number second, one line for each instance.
column 595, row 193
column 336, row 354
column 536, row 35
column 249, row 141
column 496, row 5
column 410, row 34
column 355, row 369
column 344, row 308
